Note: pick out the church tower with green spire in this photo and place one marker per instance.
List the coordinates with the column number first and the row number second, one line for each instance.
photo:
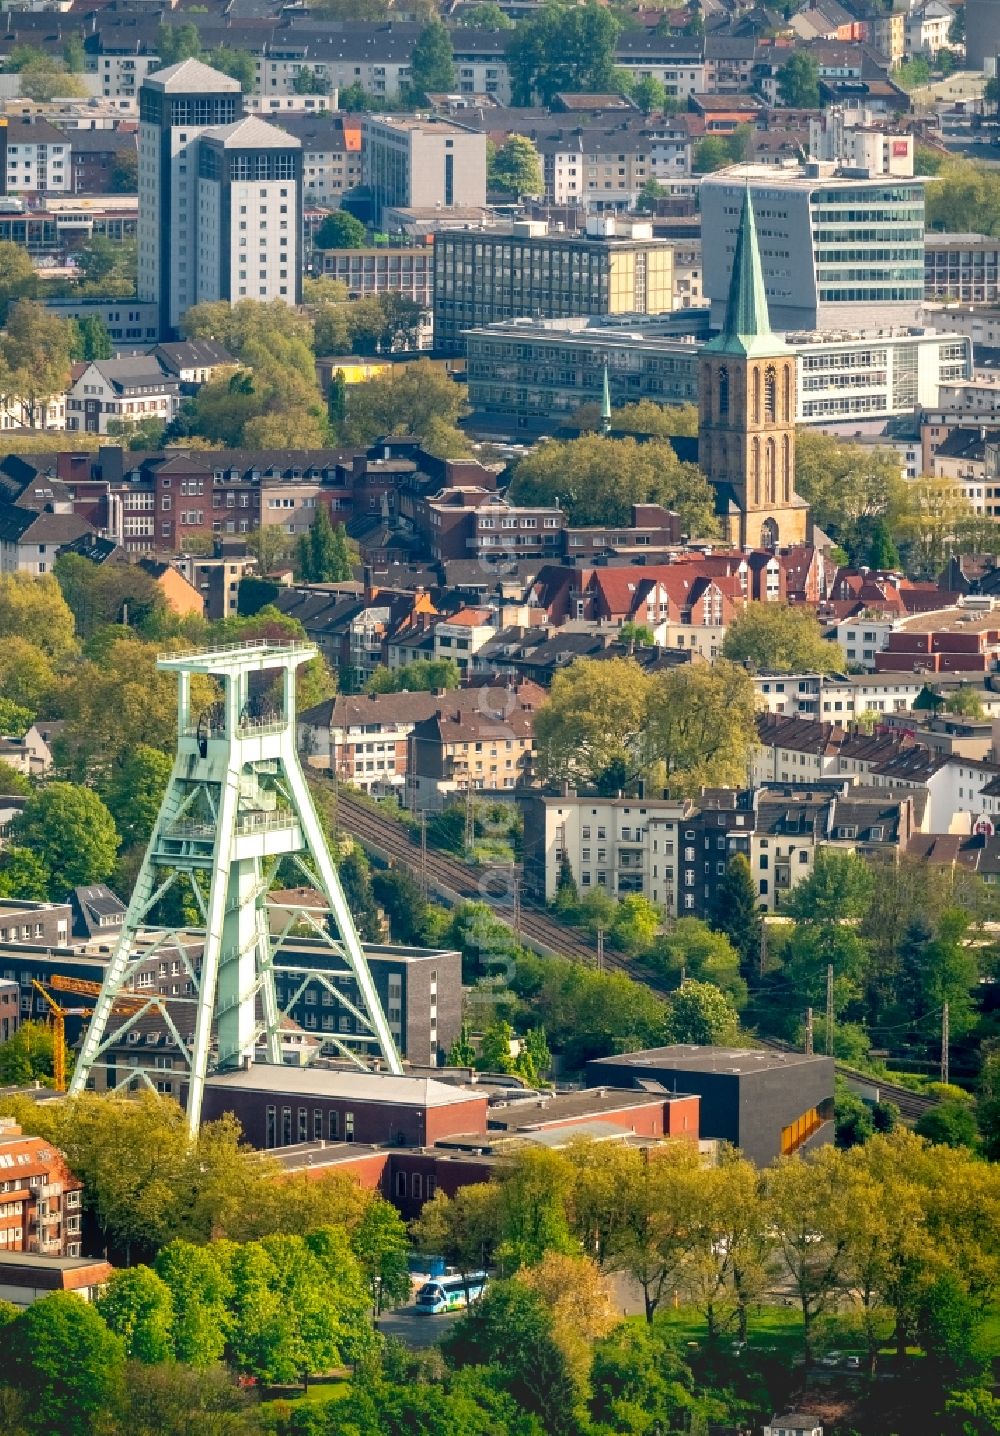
column 746, row 419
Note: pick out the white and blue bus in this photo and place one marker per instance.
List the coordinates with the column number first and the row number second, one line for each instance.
column 450, row 1293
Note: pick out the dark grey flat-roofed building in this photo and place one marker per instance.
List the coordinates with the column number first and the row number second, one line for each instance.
column 767, row 1103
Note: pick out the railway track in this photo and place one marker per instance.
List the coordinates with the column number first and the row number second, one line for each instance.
column 477, row 884
column 456, row 879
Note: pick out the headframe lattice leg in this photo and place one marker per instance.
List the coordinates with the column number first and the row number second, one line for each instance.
column 236, row 803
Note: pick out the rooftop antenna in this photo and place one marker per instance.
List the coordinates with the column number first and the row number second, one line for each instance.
column 236, row 804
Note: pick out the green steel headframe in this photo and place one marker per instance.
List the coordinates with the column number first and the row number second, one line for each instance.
column 235, row 805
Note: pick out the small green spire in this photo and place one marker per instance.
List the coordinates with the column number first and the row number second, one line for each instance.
column 606, row 403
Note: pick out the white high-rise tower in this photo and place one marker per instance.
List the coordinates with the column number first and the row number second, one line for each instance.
column 220, row 213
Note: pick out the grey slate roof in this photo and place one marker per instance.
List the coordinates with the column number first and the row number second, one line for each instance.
column 192, row 77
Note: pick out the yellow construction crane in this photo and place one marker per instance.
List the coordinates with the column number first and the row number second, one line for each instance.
column 124, row 1006
column 59, row 1015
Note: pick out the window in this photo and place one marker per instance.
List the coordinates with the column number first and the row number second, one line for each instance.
column 348, row 1126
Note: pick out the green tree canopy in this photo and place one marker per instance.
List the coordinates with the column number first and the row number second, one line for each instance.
column 72, row 832
column 138, row 1308
column 597, row 480
column 701, row 1013
column 516, row 168
column 776, row 638
column 798, row 81
column 605, row 722
column 60, row 1354
column 340, row 230
column 403, row 402
column 563, row 48
column 432, row 64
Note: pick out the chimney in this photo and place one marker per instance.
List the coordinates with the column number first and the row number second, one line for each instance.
column 368, row 576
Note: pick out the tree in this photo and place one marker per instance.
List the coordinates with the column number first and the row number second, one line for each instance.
column 840, row 887
column 125, row 171
column 340, row 230
column 736, row 912
column 91, row 339
column 951, row 1123
column 462, row 1053
column 592, row 721
column 702, row 1014
column 635, row 925
column 398, row 895
column 23, row 875
column 72, row 831
column 199, row 1286
column 14, row 720
column 516, row 168
column 169, row 1399
column 34, row 359
column 69, row 1366
column 324, row 556
column 29, row 1056
column 710, row 154
column 988, row 1103
column 597, row 480
column 135, row 791
column 380, row 1243
column 485, row 16
column 651, row 191
column 432, row 64
column 700, row 726
column 965, row 703
column 883, row 556
column 563, row 49
column 798, row 82
column 802, row 1202
column 495, row 1053
column 27, row 676
column 849, row 488
column 354, row 872
column 239, row 64
column 43, row 77
column 138, row 1308
column 17, row 275
column 649, row 94
column 578, row 1297
column 462, row 1229
column 108, row 593
column 692, row 950
column 510, row 1330
column 778, row 639
column 400, row 403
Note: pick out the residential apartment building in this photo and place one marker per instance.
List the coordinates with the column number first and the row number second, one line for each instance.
column 836, row 250
column 249, row 224
column 621, row 845
column 422, row 162
column 840, row 698
column 36, row 158
column 125, row 391
column 331, row 153
column 95, row 156
column 483, row 748
column 486, row 276
column 41, row 1202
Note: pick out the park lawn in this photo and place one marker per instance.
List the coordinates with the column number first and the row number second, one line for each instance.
column 318, row 1393
column 777, row 1330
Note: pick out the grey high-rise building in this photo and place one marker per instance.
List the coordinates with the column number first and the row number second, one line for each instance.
column 219, row 196
column 838, row 250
